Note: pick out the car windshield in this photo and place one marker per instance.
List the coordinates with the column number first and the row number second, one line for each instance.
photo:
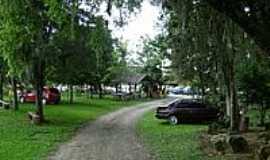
column 174, row 103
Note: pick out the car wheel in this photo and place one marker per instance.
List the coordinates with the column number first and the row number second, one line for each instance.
column 22, row 100
column 173, row 120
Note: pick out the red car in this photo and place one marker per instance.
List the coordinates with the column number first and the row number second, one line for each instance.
column 50, row 96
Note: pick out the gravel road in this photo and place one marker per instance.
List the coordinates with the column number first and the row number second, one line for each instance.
column 111, row 137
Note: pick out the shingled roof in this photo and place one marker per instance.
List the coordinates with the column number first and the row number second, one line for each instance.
column 130, row 79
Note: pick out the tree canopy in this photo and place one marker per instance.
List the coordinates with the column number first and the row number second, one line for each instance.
column 207, row 48
column 251, row 15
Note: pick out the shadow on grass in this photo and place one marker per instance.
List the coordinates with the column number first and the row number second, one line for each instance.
column 53, row 122
column 166, row 123
column 80, row 112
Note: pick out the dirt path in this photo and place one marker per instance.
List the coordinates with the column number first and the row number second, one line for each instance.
column 111, row 137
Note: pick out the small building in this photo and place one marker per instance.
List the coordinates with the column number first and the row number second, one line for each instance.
column 136, row 84
column 130, row 83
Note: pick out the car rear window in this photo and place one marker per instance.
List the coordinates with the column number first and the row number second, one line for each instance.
column 190, row 105
column 190, row 101
column 197, row 105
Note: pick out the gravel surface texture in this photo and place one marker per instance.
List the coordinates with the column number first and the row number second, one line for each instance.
column 111, row 137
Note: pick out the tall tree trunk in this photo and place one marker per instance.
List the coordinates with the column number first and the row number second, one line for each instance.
column 216, row 84
column 235, row 112
column 86, row 87
column 39, row 65
column 202, row 86
column 81, row 90
column 92, row 90
column 262, row 114
column 228, row 104
column 88, row 91
column 100, row 91
column 66, row 93
column 71, row 94
column 228, row 68
column 129, row 88
column 116, row 88
column 15, row 103
column 231, row 98
column 1, row 85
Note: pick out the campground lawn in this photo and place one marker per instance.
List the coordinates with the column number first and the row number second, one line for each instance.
column 167, row 142
column 20, row 140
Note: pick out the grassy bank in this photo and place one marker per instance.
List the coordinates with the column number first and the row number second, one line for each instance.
column 20, row 140
column 168, row 142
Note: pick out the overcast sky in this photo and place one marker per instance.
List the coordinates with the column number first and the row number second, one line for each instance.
column 140, row 25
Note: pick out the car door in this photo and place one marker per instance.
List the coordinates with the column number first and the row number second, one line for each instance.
column 176, row 109
column 207, row 113
column 211, row 113
column 198, row 111
column 30, row 96
column 183, row 111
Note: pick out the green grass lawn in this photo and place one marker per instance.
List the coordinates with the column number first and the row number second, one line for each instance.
column 167, row 142
column 20, row 140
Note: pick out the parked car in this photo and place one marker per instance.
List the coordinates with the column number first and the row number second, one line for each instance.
column 187, row 110
column 177, row 90
column 50, row 96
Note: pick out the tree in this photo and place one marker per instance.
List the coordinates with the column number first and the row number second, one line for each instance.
column 151, row 59
column 119, row 67
column 207, row 46
column 101, row 44
column 252, row 16
column 27, row 28
column 2, row 76
column 254, row 83
column 74, row 64
column 13, row 48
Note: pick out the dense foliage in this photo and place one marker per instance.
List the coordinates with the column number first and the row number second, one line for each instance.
column 57, row 41
column 208, row 49
column 67, row 42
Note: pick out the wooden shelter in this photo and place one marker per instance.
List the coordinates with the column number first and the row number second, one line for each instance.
column 132, row 80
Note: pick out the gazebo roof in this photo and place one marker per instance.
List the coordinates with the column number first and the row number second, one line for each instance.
column 130, row 79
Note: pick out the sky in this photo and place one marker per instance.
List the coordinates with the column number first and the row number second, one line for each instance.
column 141, row 25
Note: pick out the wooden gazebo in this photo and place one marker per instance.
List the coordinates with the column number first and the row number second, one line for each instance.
column 132, row 80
